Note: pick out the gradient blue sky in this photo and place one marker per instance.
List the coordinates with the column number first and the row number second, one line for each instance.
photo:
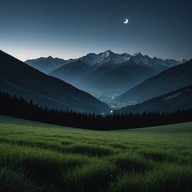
column 73, row 28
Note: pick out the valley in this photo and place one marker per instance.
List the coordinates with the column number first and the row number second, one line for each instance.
column 96, row 96
column 122, row 80
column 97, row 83
column 106, row 73
column 104, row 142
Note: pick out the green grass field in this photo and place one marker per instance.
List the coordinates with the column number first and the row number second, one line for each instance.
column 47, row 158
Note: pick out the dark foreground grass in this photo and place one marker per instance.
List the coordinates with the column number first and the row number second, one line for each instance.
column 46, row 158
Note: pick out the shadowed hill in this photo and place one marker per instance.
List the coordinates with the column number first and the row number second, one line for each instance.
column 19, row 79
column 72, row 72
column 170, row 80
column 173, row 101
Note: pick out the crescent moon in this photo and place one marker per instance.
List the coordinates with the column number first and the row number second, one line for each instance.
column 126, row 21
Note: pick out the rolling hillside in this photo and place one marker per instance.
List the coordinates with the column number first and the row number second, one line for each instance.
column 43, row 157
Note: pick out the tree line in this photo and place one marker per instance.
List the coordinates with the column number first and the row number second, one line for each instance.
column 18, row 107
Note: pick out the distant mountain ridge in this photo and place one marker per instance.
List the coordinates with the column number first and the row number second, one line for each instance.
column 19, row 79
column 170, row 102
column 108, row 56
column 108, row 73
column 105, row 57
column 169, row 80
column 46, row 64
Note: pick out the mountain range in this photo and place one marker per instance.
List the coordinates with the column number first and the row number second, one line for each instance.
column 134, row 83
column 106, row 73
column 19, row 79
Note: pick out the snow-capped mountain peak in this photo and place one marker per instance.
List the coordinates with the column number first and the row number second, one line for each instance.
column 107, row 57
column 138, row 58
column 138, row 54
column 46, row 64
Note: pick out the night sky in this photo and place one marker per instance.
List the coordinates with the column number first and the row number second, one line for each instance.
column 73, row 28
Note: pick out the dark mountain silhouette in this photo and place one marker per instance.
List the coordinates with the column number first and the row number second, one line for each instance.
column 170, row 102
column 19, row 79
column 110, row 79
column 72, row 72
column 89, row 81
column 169, row 80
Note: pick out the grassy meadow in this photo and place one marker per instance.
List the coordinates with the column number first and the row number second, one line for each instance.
column 40, row 157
